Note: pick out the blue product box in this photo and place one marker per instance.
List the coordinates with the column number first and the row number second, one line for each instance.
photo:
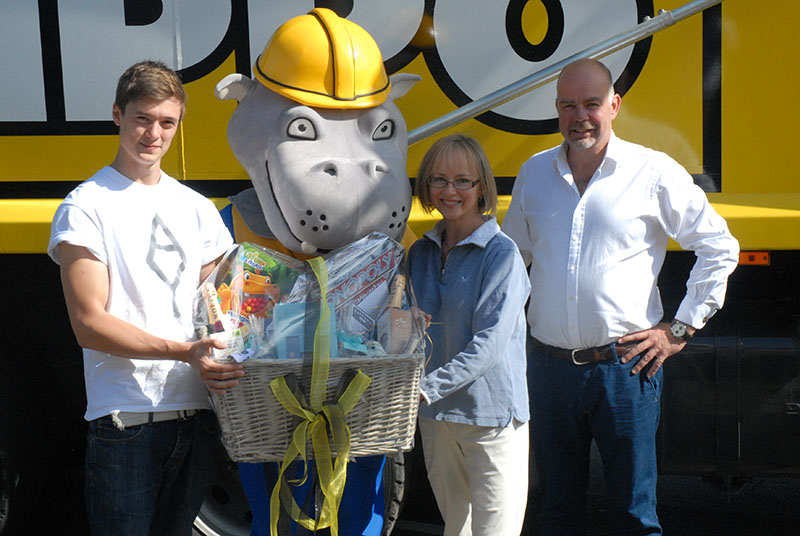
column 293, row 336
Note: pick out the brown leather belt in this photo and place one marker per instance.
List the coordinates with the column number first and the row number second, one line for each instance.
column 586, row 356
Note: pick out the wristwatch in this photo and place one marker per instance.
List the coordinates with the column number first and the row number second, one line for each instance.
column 679, row 330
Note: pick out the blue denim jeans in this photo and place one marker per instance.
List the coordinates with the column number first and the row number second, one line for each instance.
column 149, row 479
column 360, row 512
column 573, row 404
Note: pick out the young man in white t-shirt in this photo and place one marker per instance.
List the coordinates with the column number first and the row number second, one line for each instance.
column 133, row 245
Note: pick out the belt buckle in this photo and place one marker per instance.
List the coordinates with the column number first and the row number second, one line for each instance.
column 575, row 361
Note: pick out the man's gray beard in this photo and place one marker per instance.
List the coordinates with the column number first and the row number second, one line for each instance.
column 583, row 144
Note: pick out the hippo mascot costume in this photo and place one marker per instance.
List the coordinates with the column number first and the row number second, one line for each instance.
column 325, row 147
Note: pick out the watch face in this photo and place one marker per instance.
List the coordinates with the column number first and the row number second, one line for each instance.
column 678, row 330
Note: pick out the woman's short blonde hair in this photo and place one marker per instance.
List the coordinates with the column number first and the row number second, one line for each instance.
column 445, row 147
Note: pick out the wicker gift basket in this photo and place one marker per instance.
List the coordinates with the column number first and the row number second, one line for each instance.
column 269, row 314
column 256, row 428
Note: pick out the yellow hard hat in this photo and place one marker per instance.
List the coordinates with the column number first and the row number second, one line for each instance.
column 322, row 60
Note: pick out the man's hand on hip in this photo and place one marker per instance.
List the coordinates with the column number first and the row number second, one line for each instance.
column 654, row 346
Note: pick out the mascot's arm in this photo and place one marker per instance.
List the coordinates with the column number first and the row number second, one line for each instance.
column 243, row 233
column 409, row 237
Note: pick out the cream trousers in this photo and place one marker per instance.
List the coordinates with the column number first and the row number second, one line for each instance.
column 479, row 475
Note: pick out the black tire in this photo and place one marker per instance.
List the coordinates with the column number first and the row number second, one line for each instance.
column 394, row 484
column 419, row 506
column 9, row 478
column 225, row 512
column 20, row 478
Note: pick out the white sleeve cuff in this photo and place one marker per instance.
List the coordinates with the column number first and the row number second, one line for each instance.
column 696, row 315
column 425, row 397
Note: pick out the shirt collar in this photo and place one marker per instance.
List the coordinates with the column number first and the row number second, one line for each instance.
column 614, row 150
column 479, row 237
column 613, row 156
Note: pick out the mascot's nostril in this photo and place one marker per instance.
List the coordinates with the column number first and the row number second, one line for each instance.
column 375, row 168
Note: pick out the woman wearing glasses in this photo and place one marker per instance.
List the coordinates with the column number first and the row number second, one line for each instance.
column 470, row 278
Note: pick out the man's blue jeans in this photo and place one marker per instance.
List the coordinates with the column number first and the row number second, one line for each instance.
column 573, row 404
column 149, row 479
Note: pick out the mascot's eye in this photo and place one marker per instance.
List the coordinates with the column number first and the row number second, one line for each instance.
column 302, row 128
column 384, row 131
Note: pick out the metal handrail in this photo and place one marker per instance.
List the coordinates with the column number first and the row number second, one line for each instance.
column 646, row 28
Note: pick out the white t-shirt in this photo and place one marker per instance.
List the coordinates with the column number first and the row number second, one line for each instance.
column 154, row 240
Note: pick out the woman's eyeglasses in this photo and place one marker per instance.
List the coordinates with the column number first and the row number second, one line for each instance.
column 458, row 184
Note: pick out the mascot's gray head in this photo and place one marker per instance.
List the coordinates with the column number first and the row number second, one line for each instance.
column 320, row 136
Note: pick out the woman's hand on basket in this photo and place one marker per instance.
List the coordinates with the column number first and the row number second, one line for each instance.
column 217, row 375
column 423, row 314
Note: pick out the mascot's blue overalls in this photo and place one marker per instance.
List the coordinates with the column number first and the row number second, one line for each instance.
column 325, row 147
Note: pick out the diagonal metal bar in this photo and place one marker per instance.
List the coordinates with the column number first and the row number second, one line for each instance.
column 645, row 29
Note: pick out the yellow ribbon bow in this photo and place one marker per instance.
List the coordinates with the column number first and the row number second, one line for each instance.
column 318, row 420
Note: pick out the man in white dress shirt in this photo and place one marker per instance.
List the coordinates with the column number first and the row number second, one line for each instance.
column 592, row 218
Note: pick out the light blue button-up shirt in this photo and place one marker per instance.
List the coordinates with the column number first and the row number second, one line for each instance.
column 476, row 372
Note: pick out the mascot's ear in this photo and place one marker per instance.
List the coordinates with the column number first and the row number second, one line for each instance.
column 235, row 86
column 401, row 83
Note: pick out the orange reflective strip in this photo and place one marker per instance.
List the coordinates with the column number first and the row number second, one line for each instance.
column 754, row 258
